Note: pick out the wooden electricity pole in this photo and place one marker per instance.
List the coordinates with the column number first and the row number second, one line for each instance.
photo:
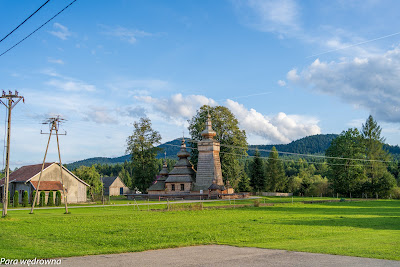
column 10, row 104
column 54, row 124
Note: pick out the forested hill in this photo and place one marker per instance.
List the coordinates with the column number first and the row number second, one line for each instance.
column 315, row 144
column 171, row 147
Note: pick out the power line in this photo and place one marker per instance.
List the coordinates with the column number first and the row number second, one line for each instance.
column 39, row 27
column 309, row 155
column 24, row 21
column 280, row 159
column 299, row 154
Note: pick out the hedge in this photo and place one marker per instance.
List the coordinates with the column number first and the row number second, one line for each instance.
column 16, row 199
column 42, row 198
column 50, row 199
column 58, row 198
column 25, row 200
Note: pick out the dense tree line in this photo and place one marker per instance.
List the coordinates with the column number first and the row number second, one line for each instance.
column 365, row 167
column 356, row 161
column 356, row 165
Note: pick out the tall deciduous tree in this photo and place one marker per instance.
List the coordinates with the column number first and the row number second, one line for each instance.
column 142, row 147
column 232, row 139
column 347, row 176
column 379, row 179
column 257, row 173
column 92, row 178
column 276, row 179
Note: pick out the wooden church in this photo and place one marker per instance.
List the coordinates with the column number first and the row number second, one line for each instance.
column 183, row 179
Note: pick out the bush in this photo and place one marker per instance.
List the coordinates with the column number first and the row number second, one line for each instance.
column 257, row 203
column 25, row 200
column 50, row 199
column 33, row 195
column 42, row 198
column 58, row 198
column 16, row 199
column 8, row 199
column 395, row 192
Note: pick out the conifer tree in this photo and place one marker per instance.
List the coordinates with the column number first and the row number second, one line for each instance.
column 58, row 198
column 379, row 179
column 16, row 199
column 50, row 199
column 25, row 199
column 42, row 198
column 244, row 184
column 257, row 173
column 275, row 173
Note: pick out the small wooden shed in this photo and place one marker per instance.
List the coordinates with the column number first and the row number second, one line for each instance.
column 113, row 186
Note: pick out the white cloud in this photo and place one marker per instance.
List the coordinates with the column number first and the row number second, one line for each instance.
column 292, row 75
column 281, row 83
column 124, row 34
column 101, row 115
column 61, row 31
column 179, row 108
column 370, row 83
column 67, row 83
column 56, row 61
column 277, row 16
column 70, row 85
column 284, row 18
column 280, row 128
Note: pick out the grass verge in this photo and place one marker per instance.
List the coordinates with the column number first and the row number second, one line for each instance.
column 364, row 229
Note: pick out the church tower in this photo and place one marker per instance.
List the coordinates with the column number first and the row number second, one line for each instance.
column 208, row 165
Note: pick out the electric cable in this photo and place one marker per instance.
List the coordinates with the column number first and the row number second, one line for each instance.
column 39, row 27
column 24, row 21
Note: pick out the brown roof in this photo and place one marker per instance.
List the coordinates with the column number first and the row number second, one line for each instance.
column 47, row 185
column 25, row 173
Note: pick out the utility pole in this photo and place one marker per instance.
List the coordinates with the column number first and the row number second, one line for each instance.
column 10, row 104
column 54, row 124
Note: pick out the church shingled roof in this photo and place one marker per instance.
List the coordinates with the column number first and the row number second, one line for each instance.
column 183, row 171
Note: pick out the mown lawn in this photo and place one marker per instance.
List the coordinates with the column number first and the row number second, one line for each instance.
column 365, row 229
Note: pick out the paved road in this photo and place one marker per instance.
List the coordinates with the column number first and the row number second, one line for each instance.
column 214, row 255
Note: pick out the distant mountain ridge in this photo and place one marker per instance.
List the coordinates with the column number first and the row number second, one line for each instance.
column 314, row 144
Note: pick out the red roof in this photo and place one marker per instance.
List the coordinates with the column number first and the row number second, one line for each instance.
column 47, row 185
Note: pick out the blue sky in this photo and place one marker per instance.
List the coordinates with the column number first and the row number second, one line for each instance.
column 286, row 69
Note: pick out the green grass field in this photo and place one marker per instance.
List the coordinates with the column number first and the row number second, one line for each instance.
column 365, row 229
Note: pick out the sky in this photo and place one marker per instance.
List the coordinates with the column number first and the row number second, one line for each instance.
column 286, row 69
